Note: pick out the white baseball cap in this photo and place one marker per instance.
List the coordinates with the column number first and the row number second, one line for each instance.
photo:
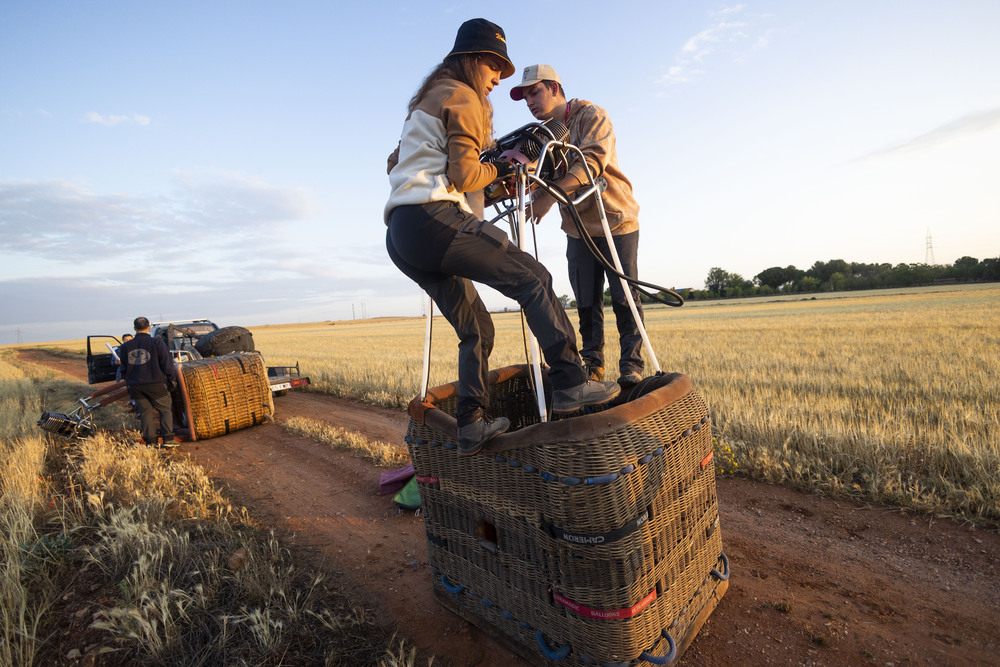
column 532, row 75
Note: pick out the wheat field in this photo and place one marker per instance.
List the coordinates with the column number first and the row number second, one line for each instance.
column 886, row 395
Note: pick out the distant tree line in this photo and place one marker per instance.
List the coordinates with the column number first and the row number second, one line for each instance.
column 839, row 275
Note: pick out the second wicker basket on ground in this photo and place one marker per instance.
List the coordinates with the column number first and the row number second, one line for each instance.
column 225, row 394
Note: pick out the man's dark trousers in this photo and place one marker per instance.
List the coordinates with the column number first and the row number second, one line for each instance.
column 154, row 398
column 586, row 275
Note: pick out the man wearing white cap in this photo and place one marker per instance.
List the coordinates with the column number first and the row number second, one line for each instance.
column 591, row 131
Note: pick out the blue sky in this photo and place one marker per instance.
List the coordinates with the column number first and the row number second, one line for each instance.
column 227, row 159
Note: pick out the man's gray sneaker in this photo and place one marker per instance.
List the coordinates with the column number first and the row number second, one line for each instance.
column 472, row 437
column 629, row 378
column 582, row 395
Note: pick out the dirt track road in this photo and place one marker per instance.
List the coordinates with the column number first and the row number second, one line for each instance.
column 814, row 581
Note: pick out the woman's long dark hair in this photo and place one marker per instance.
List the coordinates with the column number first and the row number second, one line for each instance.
column 464, row 68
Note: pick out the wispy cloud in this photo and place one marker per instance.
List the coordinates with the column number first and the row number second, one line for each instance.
column 63, row 221
column 123, row 294
column 218, row 243
column 732, row 35
column 223, row 198
column 961, row 128
column 112, row 120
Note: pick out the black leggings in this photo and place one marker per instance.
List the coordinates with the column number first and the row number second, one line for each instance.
column 443, row 249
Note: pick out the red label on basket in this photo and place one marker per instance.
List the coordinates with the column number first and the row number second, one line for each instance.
column 628, row 612
column 427, row 480
column 705, row 461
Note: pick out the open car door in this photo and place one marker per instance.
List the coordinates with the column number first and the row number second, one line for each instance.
column 100, row 363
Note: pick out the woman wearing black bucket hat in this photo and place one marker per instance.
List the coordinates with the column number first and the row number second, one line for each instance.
column 437, row 240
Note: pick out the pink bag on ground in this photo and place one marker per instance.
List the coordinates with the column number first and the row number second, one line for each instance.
column 393, row 480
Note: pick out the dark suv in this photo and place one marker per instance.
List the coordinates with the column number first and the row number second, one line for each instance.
column 180, row 337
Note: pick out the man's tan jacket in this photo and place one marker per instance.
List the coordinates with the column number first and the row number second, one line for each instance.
column 591, row 131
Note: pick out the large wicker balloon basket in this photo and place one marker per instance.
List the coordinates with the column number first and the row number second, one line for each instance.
column 590, row 540
column 220, row 395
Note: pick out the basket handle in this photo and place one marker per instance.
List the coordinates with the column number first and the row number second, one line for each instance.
column 722, row 576
column 666, row 659
column 551, row 654
column 454, row 590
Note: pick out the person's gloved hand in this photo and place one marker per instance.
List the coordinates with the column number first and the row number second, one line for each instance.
column 505, row 168
column 541, row 202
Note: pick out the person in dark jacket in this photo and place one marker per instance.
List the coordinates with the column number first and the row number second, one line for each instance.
column 149, row 373
column 117, row 361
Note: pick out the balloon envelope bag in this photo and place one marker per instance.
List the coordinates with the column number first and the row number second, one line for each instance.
column 589, row 540
column 225, row 394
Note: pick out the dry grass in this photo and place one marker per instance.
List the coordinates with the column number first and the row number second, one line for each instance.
column 378, row 452
column 888, row 395
column 118, row 550
column 25, row 520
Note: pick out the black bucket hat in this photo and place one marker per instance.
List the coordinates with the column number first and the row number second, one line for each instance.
column 482, row 36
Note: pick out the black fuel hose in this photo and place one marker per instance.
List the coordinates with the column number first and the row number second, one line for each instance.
column 677, row 299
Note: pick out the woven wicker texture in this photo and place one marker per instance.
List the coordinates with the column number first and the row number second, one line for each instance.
column 226, row 394
column 600, row 532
